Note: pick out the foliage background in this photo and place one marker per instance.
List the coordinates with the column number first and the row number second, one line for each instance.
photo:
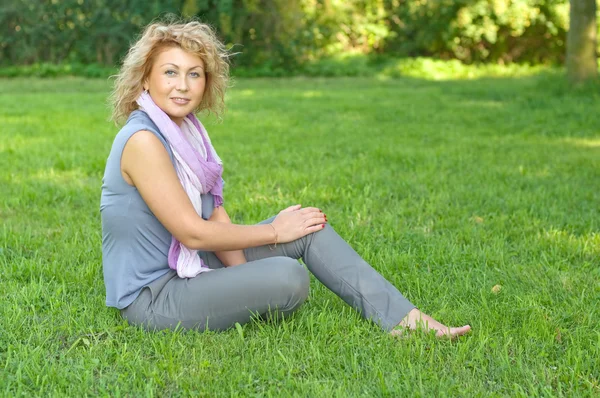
column 283, row 35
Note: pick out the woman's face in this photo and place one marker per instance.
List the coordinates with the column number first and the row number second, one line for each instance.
column 176, row 82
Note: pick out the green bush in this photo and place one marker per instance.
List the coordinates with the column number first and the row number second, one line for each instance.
column 281, row 37
column 481, row 30
column 55, row 70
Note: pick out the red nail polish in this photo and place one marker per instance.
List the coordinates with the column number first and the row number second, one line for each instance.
column 322, row 225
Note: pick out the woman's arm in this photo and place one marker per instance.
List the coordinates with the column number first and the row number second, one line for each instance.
column 228, row 258
column 146, row 165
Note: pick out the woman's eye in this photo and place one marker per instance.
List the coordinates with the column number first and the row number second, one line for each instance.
column 195, row 74
column 170, row 72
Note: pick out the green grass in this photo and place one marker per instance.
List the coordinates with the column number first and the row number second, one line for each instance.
column 447, row 188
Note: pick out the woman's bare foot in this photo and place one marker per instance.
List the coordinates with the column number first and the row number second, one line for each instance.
column 416, row 320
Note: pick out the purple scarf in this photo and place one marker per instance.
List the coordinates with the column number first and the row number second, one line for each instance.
column 197, row 176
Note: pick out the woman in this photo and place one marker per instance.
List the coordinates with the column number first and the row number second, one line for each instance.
column 171, row 256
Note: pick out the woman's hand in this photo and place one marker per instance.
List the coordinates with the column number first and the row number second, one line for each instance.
column 295, row 222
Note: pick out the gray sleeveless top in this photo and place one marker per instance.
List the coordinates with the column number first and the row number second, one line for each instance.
column 135, row 244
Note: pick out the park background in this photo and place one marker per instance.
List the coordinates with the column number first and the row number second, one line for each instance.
column 287, row 37
column 445, row 140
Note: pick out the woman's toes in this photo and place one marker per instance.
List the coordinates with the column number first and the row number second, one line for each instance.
column 453, row 332
column 401, row 332
column 462, row 330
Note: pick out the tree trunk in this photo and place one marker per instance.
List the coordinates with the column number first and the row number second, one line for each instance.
column 582, row 62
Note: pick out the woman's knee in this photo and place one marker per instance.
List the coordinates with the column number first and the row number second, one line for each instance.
column 292, row 277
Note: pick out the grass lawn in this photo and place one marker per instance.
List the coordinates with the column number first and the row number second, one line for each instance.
column 479, row 200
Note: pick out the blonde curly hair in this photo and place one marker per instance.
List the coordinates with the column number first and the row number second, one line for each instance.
column 194, row 37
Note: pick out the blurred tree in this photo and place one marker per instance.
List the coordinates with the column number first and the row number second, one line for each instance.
column 582, row 60
column 479, row 30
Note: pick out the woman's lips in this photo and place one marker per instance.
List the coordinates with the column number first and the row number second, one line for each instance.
column 180, row 101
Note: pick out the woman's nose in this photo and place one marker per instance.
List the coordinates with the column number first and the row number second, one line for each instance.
column 182, row 84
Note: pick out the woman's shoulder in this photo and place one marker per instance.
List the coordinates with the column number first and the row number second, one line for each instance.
column 137, row 121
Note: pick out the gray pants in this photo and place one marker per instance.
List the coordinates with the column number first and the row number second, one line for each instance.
column 271, row 283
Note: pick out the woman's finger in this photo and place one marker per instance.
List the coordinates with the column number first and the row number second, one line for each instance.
column 312, row 214
column 314, row 228
column 311, row 209
column 315, row 220
column 320, row 216
column 291, row 208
